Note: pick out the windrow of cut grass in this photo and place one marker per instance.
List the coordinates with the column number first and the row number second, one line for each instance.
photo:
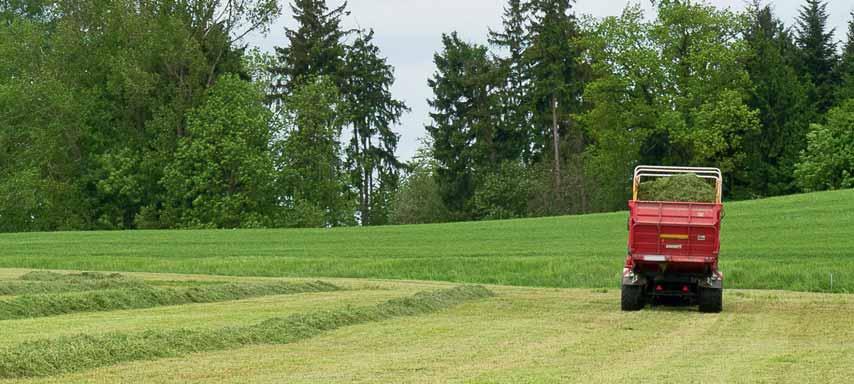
column 29, row 306
column 70, row 277
column 38, row 282
column 69, row 354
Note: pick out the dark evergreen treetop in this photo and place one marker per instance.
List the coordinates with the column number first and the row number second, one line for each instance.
column 779, row 96
column 557, row 77
column 463, row 119
column 848, row 52
column 514, row 127
column 514, row 35
column 846, row 66
column 818, row 52
column 315, row 48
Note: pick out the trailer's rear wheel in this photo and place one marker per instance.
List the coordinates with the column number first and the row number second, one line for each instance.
column 710, row 299
column 631, row 298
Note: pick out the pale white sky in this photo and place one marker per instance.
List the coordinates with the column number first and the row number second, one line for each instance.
column 409, row 32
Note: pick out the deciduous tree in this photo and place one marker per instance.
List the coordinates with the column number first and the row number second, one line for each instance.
column 222, row 175
column 828, row 162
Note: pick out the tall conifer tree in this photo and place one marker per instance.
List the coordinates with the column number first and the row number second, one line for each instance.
column 557, row 82
column 514, row 129
column 846, row 66
column 779, row 96
column 818, row 53
column 462, row 131
column 372, row 112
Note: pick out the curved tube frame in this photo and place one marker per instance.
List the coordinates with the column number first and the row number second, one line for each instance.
column 658, row 171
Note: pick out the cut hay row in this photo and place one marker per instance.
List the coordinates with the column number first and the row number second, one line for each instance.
column 82, row 276
column 24, row 287
column 30, row 306
column 76, row 353
column 39, row 282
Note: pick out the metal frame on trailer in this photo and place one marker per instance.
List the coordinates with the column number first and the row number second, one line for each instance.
column 659, row 171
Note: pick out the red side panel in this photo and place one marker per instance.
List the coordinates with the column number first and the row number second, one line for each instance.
column 674, row 233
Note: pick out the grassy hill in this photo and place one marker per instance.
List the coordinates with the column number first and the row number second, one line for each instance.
column 794, row 242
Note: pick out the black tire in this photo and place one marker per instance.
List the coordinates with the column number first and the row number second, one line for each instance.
column 710, row 300
column 631, row 298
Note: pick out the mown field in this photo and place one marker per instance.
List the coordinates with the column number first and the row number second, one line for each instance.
column 792, row 243
column 368, row 331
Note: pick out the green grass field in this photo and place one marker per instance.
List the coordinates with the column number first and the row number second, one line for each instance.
column 386, row 304
column 792, row 243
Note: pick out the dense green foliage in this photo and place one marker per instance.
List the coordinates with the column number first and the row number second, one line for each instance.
column 693, row 85
column 846, row 66
column 793, row 243
column 780, row 97
column 357, row 82
column 146, row 117
column 418, row 201
column 145, row 114
column 69, row 354
column 313, row 179
column 828, row 162
column 222, row 174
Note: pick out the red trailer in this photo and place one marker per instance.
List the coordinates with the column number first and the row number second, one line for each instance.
column 673, row 246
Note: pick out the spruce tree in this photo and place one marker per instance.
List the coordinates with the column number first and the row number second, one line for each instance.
column 514, row 129
column 557, row 79
column 818, row 53
column 779, row 96
column 372, row 112
column 846, row 66
column 314, row 49
column 464, row 109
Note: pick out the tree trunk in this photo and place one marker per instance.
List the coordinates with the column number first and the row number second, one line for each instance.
column 364, row 170
column 556, row 142
column 369, row 181
column 360, row 166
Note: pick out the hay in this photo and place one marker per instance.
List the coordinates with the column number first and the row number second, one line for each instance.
column 76, row 353
column 30, row 306
column 680, row 188
column 39, row 282
column 83, row 276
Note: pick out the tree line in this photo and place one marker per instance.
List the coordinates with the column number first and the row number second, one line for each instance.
column 122, row 114
column 552, row 115
column 147, row 114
